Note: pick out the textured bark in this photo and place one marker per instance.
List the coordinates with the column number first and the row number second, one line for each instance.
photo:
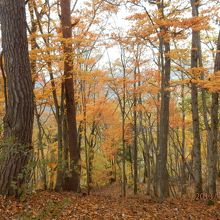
column 18, row 121
column 195, row 111
column 212, row 152
column 72, row 181
column 162, row 176
column 162, row 173
column 161, row 169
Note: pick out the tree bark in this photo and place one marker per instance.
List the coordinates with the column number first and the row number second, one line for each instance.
column 72, row 182
column 162, row 173
column 18, row 121
column 135, row 134
column 162, row 176
column 183, row 162
column 212, row 151
column 195, row 110
column 161, row 166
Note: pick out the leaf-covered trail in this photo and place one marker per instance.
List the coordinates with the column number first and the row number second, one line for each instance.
column 67, row 206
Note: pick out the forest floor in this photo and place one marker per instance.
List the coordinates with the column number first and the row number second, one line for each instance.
column 47, row 205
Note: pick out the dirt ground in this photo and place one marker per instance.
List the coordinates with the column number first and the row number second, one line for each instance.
column 68, row 206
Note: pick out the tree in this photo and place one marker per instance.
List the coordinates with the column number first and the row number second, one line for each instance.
column 212, row 151
column 18, row 121
column 195, row 56
column 72, row 181
column 161, row 169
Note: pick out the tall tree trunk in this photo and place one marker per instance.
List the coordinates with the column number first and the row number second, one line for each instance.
column 183, row 162
column 135, row 135
column 195, row 110
column 72, row 181
column 87, row 147
column 213, row 137
column 146, row 150
column 123, row 137
column 164, row 128
column 18, row 121
column 161, row 170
